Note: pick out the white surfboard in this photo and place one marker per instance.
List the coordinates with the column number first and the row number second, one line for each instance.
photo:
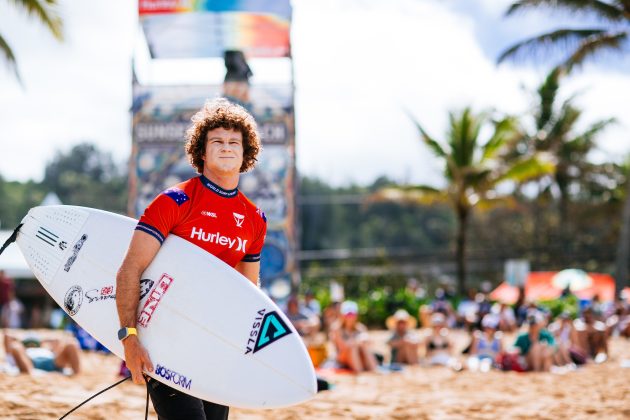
column 209, row 332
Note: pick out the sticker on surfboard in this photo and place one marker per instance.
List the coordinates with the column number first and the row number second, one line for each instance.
column 267, row 328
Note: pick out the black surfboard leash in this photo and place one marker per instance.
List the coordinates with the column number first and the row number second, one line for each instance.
column 146, row 408
column 8, row 242
column 11, row 238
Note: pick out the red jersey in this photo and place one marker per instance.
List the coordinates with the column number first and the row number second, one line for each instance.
column 223, row 222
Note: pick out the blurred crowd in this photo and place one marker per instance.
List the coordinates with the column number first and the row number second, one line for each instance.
column 477, row 335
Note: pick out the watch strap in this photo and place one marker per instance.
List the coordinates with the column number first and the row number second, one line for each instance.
column 125, row 332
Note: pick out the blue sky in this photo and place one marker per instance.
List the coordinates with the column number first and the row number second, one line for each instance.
column 358, row 65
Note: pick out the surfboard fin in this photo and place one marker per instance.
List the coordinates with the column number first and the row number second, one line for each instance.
column 11, row 239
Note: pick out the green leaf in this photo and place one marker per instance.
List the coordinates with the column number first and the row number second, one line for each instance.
column 598, row 8
column 437, row 149
column 562, row 39
column 528, row 169
column 10, row 57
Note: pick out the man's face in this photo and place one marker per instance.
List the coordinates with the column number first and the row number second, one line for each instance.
column 224, row 152
column 401, row 326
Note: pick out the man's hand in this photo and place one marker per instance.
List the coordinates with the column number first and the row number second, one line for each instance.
column 137, row 359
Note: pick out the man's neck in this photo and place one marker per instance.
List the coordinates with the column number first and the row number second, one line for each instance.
column 227, row 181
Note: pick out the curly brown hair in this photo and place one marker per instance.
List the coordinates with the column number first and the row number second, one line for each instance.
column 221, row 113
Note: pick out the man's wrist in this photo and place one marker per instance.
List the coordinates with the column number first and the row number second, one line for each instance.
column 126, row 332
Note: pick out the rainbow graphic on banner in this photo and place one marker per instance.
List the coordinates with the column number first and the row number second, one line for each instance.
column 205, row 28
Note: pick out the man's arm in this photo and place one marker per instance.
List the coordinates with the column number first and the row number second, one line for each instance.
column 251, row 270
column 142, row 250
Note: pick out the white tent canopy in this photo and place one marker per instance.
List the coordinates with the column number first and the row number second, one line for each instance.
column 11, row 260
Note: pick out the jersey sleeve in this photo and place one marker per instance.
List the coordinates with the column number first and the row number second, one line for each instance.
column 161, row 216
column 253, row 253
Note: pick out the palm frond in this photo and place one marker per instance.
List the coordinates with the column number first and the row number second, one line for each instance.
column 537, row 46
column 601, row 9
column 46, row 12
column 10, row 57
column 562, row 125
column 505, row 131
column 437, row 149
column 416, row 194
column 487, row 203
column 547, row 93
column 595, row 44
column 584, row 142
column 463, row 135
column 527, row 169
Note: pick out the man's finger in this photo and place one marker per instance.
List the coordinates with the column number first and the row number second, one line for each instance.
column 148, row 365
column 137, row 378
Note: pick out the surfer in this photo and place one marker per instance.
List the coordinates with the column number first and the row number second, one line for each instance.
column 208, row 211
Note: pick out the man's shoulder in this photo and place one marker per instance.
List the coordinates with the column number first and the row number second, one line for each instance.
column 182, row 192
column 252, row 208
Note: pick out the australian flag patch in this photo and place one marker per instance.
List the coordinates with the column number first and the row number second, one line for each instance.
column 177, row 195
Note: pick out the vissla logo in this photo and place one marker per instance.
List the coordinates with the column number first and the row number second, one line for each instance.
column 267, row 329
column 238, row 218
column 217, row 238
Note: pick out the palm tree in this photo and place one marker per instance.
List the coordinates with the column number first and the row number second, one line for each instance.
column 611, row 34
column 46, row 12
column 473, row 168
column 555, row 133
column 583, row 43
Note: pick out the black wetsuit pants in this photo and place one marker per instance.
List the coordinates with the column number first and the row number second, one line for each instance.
column 171, row 404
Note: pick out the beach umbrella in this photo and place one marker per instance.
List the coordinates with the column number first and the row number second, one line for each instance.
column 505, row 293
column 572, row 278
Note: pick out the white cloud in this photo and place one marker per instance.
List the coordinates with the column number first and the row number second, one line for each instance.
column 79, row 90
column 358, row 64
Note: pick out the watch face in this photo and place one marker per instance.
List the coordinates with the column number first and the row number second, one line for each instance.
column 122, row 333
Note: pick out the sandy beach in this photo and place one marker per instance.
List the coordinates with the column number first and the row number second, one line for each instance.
column 594, row 391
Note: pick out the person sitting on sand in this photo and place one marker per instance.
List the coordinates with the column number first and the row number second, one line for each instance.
column 507, row 318
column 404, row 341
column 51, row 355
column 305, row 324
column 331, row 316
column 486, row 345
column 566, row 337
column 351, row 340
column 538, row 346
column 591, row 336
column 438, row 345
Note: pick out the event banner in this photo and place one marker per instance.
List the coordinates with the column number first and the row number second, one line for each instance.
column 161, row 115
column 206, row 28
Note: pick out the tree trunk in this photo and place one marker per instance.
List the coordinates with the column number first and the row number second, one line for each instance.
column 565, row 233
column 623, row 244
column 460, row 250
